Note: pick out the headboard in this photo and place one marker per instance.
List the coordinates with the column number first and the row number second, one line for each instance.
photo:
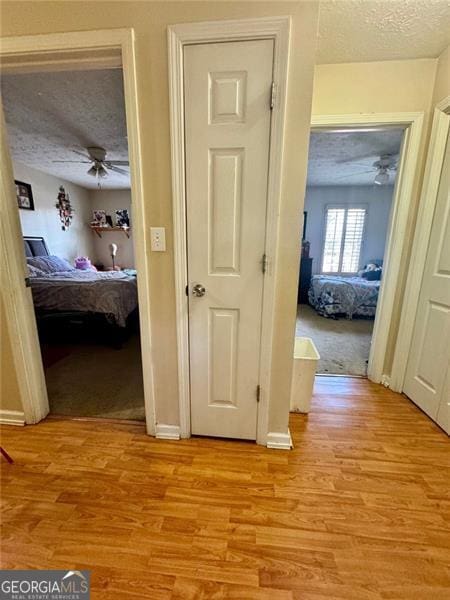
column 35, row 246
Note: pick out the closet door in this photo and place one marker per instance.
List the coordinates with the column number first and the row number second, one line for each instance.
column 227, row 115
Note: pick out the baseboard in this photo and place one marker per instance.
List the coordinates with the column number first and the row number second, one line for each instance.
column 12, row 417
column 280, row 441
column 386, row 381
column 167, row 432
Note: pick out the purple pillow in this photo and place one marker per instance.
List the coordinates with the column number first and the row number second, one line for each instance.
column 50, row 264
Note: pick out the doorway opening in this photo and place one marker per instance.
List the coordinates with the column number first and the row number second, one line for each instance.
column 347, row 211
column 73, row 224
column 68, row 141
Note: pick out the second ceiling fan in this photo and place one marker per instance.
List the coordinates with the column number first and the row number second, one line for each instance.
column 382, row 167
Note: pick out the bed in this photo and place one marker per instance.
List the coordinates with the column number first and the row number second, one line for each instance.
column 335, row 296
column 65, row 297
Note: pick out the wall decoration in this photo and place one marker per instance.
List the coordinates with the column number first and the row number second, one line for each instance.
column 122, row 218
column 109, row 220
column 100, row 218
column 24, row 195
column 65, row 209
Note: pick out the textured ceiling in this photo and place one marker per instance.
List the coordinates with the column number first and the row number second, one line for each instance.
column 328, row 149
column 49, row 115
column 375, row 30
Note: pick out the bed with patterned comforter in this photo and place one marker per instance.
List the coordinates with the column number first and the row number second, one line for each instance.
column 334, row 296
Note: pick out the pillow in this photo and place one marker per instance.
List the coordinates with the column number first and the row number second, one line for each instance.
column 35, row 272
column 50, row 264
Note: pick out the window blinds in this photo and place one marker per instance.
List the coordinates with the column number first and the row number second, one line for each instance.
column 343, row 239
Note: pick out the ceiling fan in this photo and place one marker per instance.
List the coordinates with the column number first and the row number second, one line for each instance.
column 382, row 166
column 100, row 166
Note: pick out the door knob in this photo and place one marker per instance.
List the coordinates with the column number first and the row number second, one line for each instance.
column 198, row 290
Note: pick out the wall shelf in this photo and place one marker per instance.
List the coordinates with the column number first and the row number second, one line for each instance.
column 100, row 230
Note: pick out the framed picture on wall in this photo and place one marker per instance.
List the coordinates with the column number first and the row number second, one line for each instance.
column 100, row 218
column 122, row 218
column 24, row 195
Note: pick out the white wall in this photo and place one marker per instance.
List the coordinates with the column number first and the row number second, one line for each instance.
column 44, row 220
column 110, row 201
column 378, row 200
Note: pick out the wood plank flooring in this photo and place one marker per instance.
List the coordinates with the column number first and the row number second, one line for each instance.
column 360, row 509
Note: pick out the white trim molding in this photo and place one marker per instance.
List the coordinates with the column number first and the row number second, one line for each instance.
column 100, row 45
column 386, row 381
column 12, row 417
column 279, row 441
column 17, row 299
column 432, row 175
column 402, row 207
column 167, row 432
column 278, row 29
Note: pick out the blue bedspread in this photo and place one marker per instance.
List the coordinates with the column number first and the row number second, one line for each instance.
column 350, row 296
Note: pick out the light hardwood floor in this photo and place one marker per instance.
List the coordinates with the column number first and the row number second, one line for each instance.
column 358, row 510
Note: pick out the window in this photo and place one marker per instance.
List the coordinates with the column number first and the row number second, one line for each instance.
column 344, row 229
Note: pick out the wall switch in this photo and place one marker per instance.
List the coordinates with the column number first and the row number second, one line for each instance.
column 158, row 239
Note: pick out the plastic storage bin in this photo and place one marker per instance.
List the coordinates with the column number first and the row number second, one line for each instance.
column 304, row 371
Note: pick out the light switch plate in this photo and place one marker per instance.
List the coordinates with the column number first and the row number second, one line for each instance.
column 158, row 239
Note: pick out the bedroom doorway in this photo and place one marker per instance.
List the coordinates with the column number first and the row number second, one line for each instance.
column 351, row 187
column 74, row 205
column 97, row 350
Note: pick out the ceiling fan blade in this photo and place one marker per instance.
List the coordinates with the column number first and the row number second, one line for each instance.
column 350, row 160
column 125, row 163
column 117, row 170
column 358, row 164
column 83, row 154
column 359, row 173
column 79, row 162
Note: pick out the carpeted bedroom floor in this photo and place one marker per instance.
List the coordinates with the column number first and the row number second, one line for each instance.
column 90, row 380
column 343, row 344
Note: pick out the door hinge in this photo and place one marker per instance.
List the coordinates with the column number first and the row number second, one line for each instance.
column 264, row 263
column 258, row 393
column 187, row 290
column 273, row 94
column 27, row 282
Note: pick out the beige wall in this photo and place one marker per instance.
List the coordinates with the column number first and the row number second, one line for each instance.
column 112, row 200
column 44, row 219
column 150, row 21
column 442, row 82
column 381, row 87
column 388, row 86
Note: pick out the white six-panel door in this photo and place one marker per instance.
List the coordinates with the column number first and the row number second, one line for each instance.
column 426, row 381
column 227, row 121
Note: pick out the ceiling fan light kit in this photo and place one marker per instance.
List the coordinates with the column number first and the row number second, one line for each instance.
column 382, row 177
column 100, row 166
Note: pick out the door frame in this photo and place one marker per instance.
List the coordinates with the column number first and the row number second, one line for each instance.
column 277, row 29
column 428, row 198
column 39, row 52
column 401, row 213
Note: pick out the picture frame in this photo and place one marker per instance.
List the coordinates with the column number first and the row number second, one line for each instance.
column 24, row 195
column 122, row 218
column 100, row 218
